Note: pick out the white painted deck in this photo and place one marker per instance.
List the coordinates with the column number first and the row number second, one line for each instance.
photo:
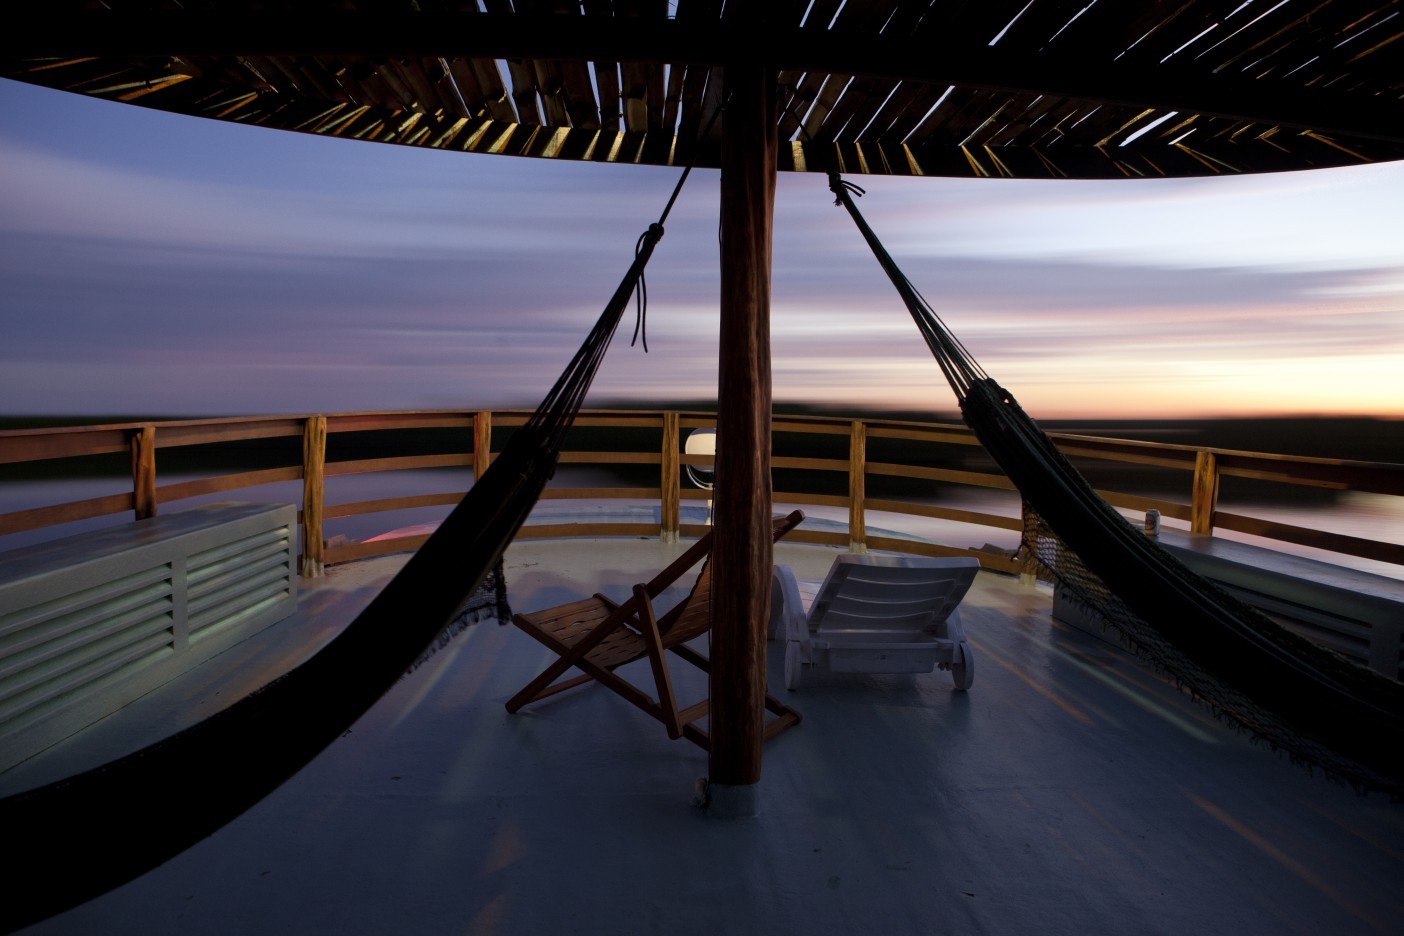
column 1070, row 791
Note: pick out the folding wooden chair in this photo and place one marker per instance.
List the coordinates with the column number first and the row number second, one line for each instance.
column 597, row 636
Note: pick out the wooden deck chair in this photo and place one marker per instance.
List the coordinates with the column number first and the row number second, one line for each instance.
column 597, row 636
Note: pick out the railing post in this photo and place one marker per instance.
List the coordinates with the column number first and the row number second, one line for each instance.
column 857, row 465
column 1205, row 496
column 670, row 480
column 144, row 472
column 482, row 443
column 314, row 457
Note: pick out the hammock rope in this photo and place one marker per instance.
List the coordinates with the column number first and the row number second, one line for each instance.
column 86, row 834
column 1321, row 708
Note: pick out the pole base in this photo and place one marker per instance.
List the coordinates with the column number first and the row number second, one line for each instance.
column 727, row 801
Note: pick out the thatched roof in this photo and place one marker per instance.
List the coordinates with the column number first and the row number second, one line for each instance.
column 1025, row 88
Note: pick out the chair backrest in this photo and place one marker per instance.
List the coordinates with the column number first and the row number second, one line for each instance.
column 890, row 594
column 692, row 616
column 701, row 442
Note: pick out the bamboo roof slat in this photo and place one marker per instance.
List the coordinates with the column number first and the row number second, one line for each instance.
column 320, row 78
column 1027, row 123
column 785, row 83
column 820, row 14
column 656, row 82
column 696, row 77
column 421, row 96
column 1110, row 31
column 982, row 21
column 1253, row 34
column 581, row 107
column 690, row 122
column 964, row 111
column 607, row 80
column 862, row 18
column 1044, row 88
column 606, row 72
column 285, row 67
column 642, row 83
column 859, row 104
column 1190, row 29
column 1040, row 23
column 797, row 95
column 902, row 112
column 524, row 95
column 813, row 127
column 672, row 104
column 348, row 88
column 495, row 95
column 633, row 93
column 465, row 84
column 551, row 87
column 402, row 96
column 433, row 71
column 842, row 95
column 375, row 85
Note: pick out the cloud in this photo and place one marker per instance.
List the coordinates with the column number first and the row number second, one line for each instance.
column 1317, row 219
column 152, row 262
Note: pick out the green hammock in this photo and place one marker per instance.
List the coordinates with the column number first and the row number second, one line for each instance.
column 1321, row 708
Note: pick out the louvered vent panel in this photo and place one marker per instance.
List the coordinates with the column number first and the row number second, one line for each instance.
column 237, row 581
column 94, row 621
column 73, row 645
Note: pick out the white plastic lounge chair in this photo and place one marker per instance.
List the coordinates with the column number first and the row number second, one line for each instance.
column 876, row 614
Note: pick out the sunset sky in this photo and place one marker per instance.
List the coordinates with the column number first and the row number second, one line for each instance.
column 165, row 265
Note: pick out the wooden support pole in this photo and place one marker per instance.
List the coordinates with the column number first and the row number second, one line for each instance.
column 144, row 472
column 314, row 458
column 670, row 479
column 742, row 550
column 482, row 443
column 1205, row 497
column 857, row 465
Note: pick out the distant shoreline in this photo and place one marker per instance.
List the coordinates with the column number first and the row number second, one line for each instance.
column 1355, row 438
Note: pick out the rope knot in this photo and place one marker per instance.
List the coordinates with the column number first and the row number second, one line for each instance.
column 648, row 238
column 839, row 186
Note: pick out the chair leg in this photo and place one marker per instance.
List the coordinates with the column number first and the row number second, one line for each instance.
column 785, row 716
column 523, row 697
column 667, row 702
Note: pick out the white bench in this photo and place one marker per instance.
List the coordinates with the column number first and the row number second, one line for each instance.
column 1356, row 613
column 90, row 622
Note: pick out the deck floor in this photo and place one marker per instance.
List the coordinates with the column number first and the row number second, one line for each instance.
column 1070, row 791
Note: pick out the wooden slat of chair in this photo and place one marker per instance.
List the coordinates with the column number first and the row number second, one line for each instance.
column 597, row 636
column 570, row 654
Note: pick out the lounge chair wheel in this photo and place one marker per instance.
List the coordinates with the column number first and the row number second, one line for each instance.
column 794, row 663
column 963, row 666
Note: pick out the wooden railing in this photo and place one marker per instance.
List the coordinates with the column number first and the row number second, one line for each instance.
column 937, row 454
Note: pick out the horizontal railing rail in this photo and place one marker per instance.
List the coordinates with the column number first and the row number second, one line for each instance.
column 807, row 449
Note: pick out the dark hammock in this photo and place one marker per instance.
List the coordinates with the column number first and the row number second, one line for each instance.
column 1320, row 707
column 80, row 837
